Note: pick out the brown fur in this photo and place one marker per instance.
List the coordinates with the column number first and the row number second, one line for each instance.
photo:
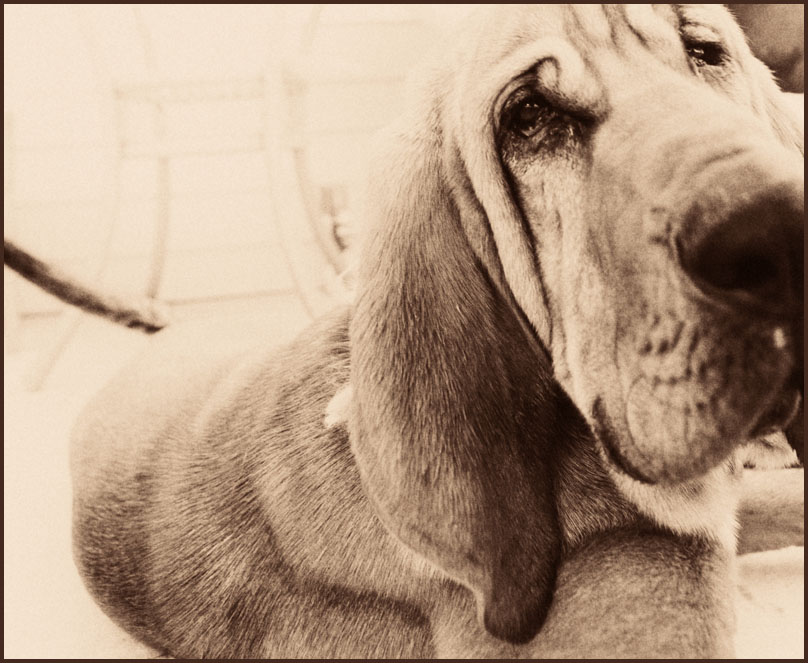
column 462, row 506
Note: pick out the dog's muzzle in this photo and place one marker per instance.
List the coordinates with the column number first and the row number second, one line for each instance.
column 709, row 311
column 699, row 233
column 741, row 244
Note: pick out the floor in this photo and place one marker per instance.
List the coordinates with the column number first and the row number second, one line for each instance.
column 47, row 611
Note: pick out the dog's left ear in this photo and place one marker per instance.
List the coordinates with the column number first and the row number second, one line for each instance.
column 785, row 111
column 455, row 411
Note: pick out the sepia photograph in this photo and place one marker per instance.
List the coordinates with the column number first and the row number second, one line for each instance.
column 403, row 331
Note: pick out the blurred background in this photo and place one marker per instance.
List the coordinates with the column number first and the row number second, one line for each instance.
column 212, row 157
column 201, row 153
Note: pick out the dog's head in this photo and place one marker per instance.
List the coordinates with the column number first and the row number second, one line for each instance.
column 600, row 205
column 660, row 191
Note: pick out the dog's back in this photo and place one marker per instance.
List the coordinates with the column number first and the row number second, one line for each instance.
column 233, row 499
column 124, row 456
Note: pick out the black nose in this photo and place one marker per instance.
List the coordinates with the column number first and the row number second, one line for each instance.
column 751, row 256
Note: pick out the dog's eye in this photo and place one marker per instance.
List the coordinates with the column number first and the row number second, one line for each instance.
column 526, row 114
column 706, row 54
column 531, row 119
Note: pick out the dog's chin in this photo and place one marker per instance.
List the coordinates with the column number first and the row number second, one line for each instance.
column 623, row 463
column 662, row 446
column 617, row 462
column 779, row 415
column 610, row 446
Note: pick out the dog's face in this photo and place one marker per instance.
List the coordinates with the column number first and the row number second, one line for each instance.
column 661, row 193
column 615, row 185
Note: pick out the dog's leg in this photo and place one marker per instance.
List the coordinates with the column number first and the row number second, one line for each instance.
column 648, row 594
column 458, row 633
column 772, row 510
column 624, row 594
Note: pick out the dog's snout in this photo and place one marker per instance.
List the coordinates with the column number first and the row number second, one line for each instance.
column 751, row 256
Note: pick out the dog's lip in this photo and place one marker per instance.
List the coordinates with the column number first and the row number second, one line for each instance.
column 773, row 419
column 609, row 448
column 777, row 416
column 619, row 462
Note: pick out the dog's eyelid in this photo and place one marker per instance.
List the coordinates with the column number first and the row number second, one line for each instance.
column 523, row 112
column 698, row 33
column 521, row 84
column 551, row 102
column 704, row 45
column 532, row 80
column 542, row 81
column 521, row 95
column 517, row 91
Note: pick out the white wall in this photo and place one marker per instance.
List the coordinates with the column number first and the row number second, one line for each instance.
column 70, row 195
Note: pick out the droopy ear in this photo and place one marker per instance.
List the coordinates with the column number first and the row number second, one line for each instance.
column 454, row 409
column 785, row 111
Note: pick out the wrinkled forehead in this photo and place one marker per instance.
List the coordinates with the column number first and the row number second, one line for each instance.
column 503, row 29
column 504, row 40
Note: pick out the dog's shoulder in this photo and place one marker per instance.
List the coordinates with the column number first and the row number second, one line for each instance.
column 226, row 463
column 184, row 386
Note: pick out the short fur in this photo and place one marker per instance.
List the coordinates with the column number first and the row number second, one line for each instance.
column 460, row 463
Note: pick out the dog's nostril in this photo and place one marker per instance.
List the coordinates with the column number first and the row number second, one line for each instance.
column 753, row 256
column 745, row 270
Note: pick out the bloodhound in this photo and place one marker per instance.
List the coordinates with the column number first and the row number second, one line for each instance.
column 580, row 290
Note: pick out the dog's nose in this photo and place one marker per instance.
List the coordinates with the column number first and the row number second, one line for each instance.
column 751, row 258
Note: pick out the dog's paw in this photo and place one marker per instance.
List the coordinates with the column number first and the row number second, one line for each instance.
column 771, row 452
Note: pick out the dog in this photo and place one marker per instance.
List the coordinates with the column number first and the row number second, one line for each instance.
column 579, row 291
